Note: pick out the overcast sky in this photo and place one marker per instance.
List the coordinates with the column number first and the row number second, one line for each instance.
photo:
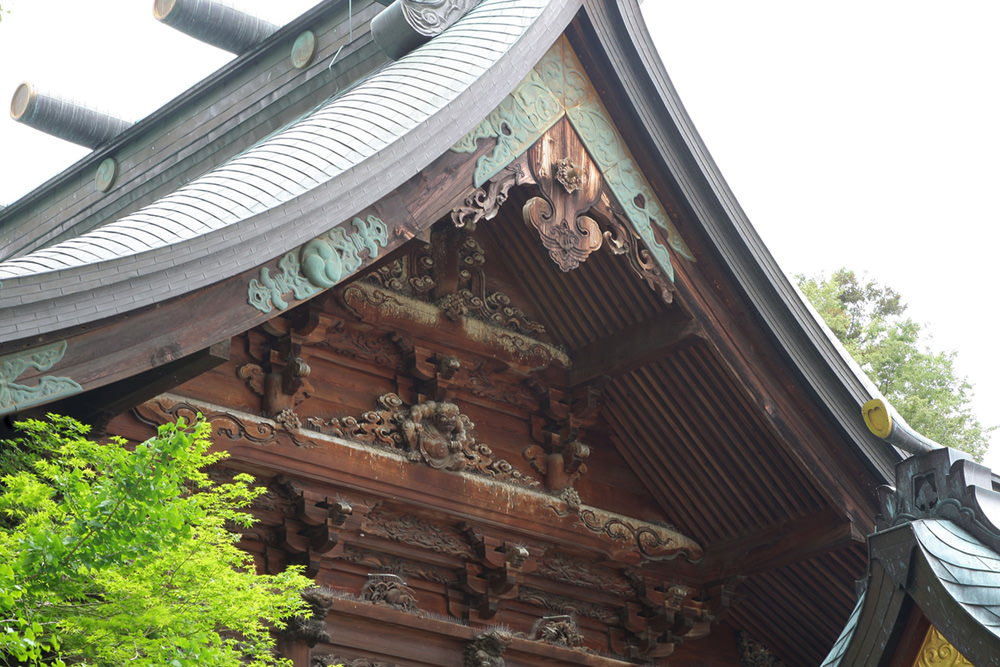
column 856, row 134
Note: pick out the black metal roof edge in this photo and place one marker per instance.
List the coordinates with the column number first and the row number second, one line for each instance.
column 836, row 380
column 192, row 95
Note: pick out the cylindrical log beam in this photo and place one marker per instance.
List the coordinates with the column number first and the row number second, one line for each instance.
column 214, row 23
column 64, row 118
column 883, row 422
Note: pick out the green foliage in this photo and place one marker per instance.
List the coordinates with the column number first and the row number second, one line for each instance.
column 116, row 556
column 922, row 385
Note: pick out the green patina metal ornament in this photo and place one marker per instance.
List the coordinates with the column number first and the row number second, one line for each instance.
column 106, row 174
column 14, row 396
column 303, row 49
column 319, row 264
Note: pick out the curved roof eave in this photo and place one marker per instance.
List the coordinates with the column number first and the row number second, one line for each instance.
column 838, row 382
column 368, row 151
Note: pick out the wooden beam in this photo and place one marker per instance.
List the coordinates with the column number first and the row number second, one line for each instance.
column 780, row 544
column 98, row 406
column 627, row 350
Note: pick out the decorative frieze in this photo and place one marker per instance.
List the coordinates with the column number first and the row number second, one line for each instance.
column 584, row 573
column 433, row 432
column 15, row 396
column 370, row 303
column 417, row 532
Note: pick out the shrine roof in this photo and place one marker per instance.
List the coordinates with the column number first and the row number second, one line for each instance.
column 938, row 553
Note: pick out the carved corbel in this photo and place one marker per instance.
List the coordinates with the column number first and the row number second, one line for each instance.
column 281, row 380
column 313, row 529
column 570, row 184
column 431, row 372
column 661, row 617
column 559, row 455
column 496, row 572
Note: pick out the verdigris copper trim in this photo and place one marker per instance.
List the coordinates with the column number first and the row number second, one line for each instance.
column 557, row 87
column 318, row 264
column 432, row 17
column 14, row 397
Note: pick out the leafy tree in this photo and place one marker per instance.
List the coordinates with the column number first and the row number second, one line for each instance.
column 922, row 385
column 117, row 555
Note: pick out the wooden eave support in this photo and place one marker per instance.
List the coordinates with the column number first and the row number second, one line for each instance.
column 627, row 350
column 98, row 406
column 780, row 544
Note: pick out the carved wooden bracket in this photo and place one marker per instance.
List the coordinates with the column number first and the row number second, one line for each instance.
column 280, row 379
column 316, row 523
column 484, row 203
column 662, row 616
column 431, row 371
column 312, row 629
column 559, row 455
column 571, row 184
column 494, row 575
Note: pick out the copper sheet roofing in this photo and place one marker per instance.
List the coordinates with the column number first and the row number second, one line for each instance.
column 386, row 114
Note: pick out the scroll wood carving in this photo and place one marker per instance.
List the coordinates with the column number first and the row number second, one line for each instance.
column 571, row 184
column 414, row 531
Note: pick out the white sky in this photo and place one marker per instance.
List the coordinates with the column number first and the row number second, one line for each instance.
column 857, row 134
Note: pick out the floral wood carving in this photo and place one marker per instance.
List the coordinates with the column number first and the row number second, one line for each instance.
column 368, row 302
column 411, row 530
column 566, row 605
column 400, row 566
column 755, row 654
column 558, row 215
column 330, row 660
column 585, row 574
column 415, row 274
column 433, row 432
column 485, row 202
column 621, row 241
column 390, row 590
column 225, row 425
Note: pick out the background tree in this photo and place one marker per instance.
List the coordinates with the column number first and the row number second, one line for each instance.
column 869, row 319
column 121, row 556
